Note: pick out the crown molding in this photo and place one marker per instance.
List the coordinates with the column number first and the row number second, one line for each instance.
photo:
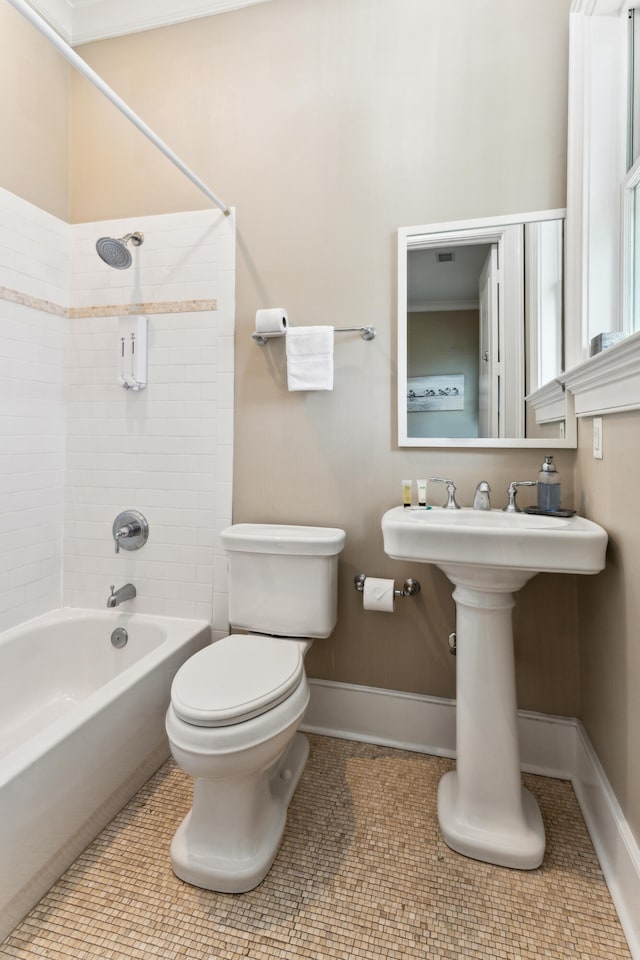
column 82, row 21
column 58, row 14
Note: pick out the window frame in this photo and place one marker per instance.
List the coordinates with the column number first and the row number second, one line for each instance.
column 599, row 194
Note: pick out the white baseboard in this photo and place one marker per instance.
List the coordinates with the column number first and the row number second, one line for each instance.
column 550, row 746
column 410, row 721
column 615, row 845
column 388, row 717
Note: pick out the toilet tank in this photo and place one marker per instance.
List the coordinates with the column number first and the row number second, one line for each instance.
column 283, row 580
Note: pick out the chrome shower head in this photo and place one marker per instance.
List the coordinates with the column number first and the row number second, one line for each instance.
column 115, row 252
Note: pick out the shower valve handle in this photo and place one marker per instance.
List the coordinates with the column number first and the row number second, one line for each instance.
column 130, row 530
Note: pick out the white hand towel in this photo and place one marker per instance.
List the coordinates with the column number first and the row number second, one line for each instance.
column 310, row 358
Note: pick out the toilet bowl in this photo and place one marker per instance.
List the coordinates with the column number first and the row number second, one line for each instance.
column 236, row 705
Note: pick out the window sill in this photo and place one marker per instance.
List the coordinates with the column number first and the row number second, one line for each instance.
column 608, row 382
column 549, row 402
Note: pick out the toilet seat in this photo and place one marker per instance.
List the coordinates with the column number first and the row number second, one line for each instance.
column 236, row 679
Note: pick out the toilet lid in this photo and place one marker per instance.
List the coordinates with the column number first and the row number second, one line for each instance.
column 235, row 679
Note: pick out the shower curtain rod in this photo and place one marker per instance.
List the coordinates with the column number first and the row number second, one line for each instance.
column 76, row 61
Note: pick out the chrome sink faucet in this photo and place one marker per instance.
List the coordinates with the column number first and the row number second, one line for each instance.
column 118, row 596
column 451, row 493
column 512, row 506
column 482, row 501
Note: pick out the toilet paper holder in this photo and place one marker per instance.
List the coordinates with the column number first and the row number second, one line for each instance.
column 410, row 587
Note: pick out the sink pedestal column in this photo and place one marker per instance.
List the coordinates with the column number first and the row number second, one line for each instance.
column 483, row 809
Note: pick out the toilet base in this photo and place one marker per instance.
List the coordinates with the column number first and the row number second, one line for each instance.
column 229, row 839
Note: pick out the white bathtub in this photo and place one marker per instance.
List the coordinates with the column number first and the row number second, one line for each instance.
column 81, row 729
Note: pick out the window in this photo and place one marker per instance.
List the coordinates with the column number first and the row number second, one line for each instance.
column 603, row 206
column 631, row 184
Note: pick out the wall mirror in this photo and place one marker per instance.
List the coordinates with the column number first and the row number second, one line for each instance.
column 480, row 333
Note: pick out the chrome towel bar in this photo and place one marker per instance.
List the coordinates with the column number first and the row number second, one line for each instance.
column 367, row 333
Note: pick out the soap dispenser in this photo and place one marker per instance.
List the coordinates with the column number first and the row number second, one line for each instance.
column 548, row 487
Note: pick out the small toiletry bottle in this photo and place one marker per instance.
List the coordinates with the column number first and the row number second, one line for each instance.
column 422, row 492
column 406, row 493
column 548, row 486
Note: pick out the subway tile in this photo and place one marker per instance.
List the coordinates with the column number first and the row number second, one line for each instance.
column 225, row 354
column 42, row 588
column 28, row 482
column 225, row 391
column 221, row 573
column 33, row 519
column 207, row 537
column 178, row 608
column 194, row 355
column 177, row 336
column 174, row 591
column 32, row 462
column 151, row 450
column 19, row 577
column 166, row 480
column 158, row 500
column 220, row 610
column 224, row 506
column 204, row 611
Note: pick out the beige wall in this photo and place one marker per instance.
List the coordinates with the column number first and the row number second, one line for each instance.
column 34, row 107
column 609, row 606
column 329, row 124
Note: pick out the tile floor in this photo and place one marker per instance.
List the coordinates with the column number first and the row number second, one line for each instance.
column 362, row 873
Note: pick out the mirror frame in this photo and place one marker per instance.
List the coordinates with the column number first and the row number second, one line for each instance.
column 485, row 230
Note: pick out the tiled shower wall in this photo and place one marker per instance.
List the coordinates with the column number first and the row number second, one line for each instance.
column 34, row 258
column 167, row 450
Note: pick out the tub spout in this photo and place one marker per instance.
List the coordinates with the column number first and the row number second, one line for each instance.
column 118, row 596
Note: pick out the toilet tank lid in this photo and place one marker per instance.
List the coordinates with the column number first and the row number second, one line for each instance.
column 284, row 539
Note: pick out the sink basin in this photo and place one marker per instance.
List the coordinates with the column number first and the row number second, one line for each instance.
column 493, row 538
column 483, row 810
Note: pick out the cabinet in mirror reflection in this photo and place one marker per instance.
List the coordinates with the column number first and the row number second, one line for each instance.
column 480, row 332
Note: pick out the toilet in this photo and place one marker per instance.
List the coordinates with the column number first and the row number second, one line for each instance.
column 237, row 704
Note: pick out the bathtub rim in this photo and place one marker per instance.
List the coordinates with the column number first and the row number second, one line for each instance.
column 176, row 631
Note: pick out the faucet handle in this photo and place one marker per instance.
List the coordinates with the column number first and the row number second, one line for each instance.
column 130, row 530
column 512, row 506
column 451, row 503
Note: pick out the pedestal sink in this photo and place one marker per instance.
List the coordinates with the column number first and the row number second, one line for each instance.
column 483, row 810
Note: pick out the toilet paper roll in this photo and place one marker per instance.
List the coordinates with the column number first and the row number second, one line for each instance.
column 378, row 594
column 272, row 322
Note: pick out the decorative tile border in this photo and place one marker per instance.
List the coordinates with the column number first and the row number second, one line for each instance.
column 108, row 310
column 36, row 303
column 136, row 309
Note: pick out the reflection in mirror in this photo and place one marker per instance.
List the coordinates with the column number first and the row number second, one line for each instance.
column 479, row 329
column 445, row 339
